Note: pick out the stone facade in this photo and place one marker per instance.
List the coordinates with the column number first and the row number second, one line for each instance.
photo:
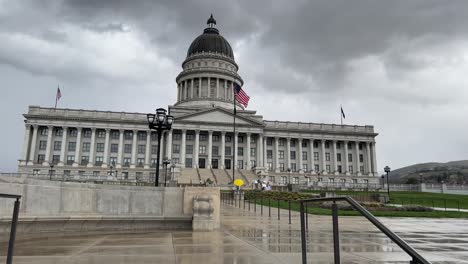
column 88, row 142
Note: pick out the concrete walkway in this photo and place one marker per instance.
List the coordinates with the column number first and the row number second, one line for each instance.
column 249, row 237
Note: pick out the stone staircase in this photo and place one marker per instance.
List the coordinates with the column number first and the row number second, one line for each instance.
column 214, row 176
column 205, row 174
column 249, row 175
column 187, row 176
column 240, row 172
column 199, row 180
column 222, row 177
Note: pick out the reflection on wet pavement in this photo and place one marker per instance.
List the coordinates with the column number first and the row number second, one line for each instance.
column 249, row 237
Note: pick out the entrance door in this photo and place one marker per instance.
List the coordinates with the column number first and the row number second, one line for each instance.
column 227, row 164
column 214, row 163
column 201, row 163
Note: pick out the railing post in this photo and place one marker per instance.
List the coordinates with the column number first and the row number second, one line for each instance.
column 14, row 222
column 244, row 201
column 249, row 204
column 336, row 235
column 255, row 204
column 303, row 234
column 307, row 217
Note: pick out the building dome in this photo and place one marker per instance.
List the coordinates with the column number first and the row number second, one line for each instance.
column 211, row 41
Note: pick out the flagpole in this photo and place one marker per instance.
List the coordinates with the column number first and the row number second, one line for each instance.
column 234, row 137
column 341, row 114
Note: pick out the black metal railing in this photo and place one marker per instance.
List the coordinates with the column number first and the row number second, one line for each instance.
column 14, row 222
column 416, row 257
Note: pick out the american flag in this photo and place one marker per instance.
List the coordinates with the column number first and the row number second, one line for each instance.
column 59, row 94
column 240, row 95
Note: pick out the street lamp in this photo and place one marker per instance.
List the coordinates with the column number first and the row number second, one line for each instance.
column 387, row 170
column 50, row 171
column 289, row 179
column 383, row 181
column 111, row 173
column 165, row 163
column 159, row 122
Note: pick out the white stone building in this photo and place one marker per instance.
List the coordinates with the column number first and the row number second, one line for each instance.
column 200, row 145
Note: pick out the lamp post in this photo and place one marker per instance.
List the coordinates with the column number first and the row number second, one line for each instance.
column 289, row 179
column 420, row 178
column 387, row 170
column 50, row 171
column 159, row 122
column 166, row 162
column 383, row 181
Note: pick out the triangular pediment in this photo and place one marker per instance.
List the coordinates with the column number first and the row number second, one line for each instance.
column 217, row 116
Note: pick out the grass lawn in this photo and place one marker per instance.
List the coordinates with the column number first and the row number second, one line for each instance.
column 321, row 211
column 419, row 198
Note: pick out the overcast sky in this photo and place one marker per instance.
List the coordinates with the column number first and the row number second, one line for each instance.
column 399, row 65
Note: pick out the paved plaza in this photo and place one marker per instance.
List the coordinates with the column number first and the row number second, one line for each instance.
column 249, row 237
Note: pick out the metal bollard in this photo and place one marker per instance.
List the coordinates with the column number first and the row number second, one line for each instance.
column 336, row 235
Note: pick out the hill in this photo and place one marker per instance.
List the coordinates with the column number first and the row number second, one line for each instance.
column 453, row 172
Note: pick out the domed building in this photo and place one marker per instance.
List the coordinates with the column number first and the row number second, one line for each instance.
column 202, row 145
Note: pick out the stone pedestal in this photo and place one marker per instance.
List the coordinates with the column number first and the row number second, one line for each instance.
column 203, row 208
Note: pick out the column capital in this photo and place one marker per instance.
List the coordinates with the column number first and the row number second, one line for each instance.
column 107, row 129
column 210, row 132
column 183, row 131
column 223, row 133
column 248, row 133
column 121, row 130
column 197, row 131
column 92, row 129
column 50, row 127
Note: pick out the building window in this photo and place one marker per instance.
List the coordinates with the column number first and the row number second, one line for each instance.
column 101, row 133
column 188, row 163
column 316, row 156
column 327, row 156
column 40, row 158
column 281, row 154
column 240, row 139
column 240, row 164
column 269, row 141
column 316, row 167
column 140, row 162
column 338, row 156
column 320, row 179
column 96, row 173
column 284, row 180
column 189, row 149
column 126, row 162
column 240, row 151
column 141, row 149
column 281, row 166
column 282, row 142
column 177, row 136
column 175, row 148
column 125, row 175
column 154, row 136
column 70, row 159
column 84, row 160
column 142, row 135
column 227, row 151
column 350, row 157
column 175, row 161
column 66, row 173
column 73, row 132
column 360, row 146
column 253, row 152
column 228, row 139
column 42, row 144
column 315, row 144
column 55, row 159
column 57, row 145
column 304, row 155
column 338, row 145
column 36, row 172
column 293, row 155
column 293, row 166
column 128, row 135
column 86, row 146
column 215, row 138
column 305, row 168
column 361, row 158
column 253, row 140
column 331, row 180
column 100, row 147
column 202, row 150
column 361, row 169
column 202, row 137
column 350, row 169
column 327, row 144
column 328, row 168
column 292, row 143
column 269, row 154
column 215, row 150
column 304, row 143
column 71, row 146
column 272, row 179
column 114, row 148
column 128, row 148
column 113, row 161
column 270, row 166
column 350, row 146
column 99, row 160
column 295, row 180
column 253, row 164
column 154, row 149
column 340, row 169
column 59, row 131
column 153, row 163
column 87, row 133
column 189, row 137
column 115, row 134
column 44, row 131
column 354, row 181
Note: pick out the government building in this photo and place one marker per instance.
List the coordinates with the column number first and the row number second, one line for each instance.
column 119, row 145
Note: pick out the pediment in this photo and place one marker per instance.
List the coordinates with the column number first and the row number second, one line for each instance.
column 218, row 116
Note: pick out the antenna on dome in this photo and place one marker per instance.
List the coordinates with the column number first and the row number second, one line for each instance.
column 211, row 22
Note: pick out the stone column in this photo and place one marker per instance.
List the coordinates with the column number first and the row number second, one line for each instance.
column 48, row 159
column 345, row 143
column 236, row 144
column 78, row 147
column 248, row 151
column 63, row 146
column 358, row 162
column 334, row 159
column 209, row 88
column 225, row 89
column 191, row 88
column 169, row 145
column 199, row 90
column 260, row 151
column 223, row 146
column 210, row 148
column 368, row 160
column 120, row 151
column 148, row 150
column 288, row 153
column 374, row 161
column 264, row 153
column 322, row 156
column 299, row 155
column 217, row 87
column 276, row 154
column 196, row 148
column 106, row 149
column 182, row 148
column 134, row 149
column 92, row 147
column 32, row 152
column 178, row 92
column 311, row 159
column 24, row 153
column 185, row 90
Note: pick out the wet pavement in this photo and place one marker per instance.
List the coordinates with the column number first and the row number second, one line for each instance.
column 250, row 237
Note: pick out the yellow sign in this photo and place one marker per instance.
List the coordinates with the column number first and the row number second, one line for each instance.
column 238, row 182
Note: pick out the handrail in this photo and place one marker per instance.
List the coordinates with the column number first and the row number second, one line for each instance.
column 14, row 222
column 417, row 258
